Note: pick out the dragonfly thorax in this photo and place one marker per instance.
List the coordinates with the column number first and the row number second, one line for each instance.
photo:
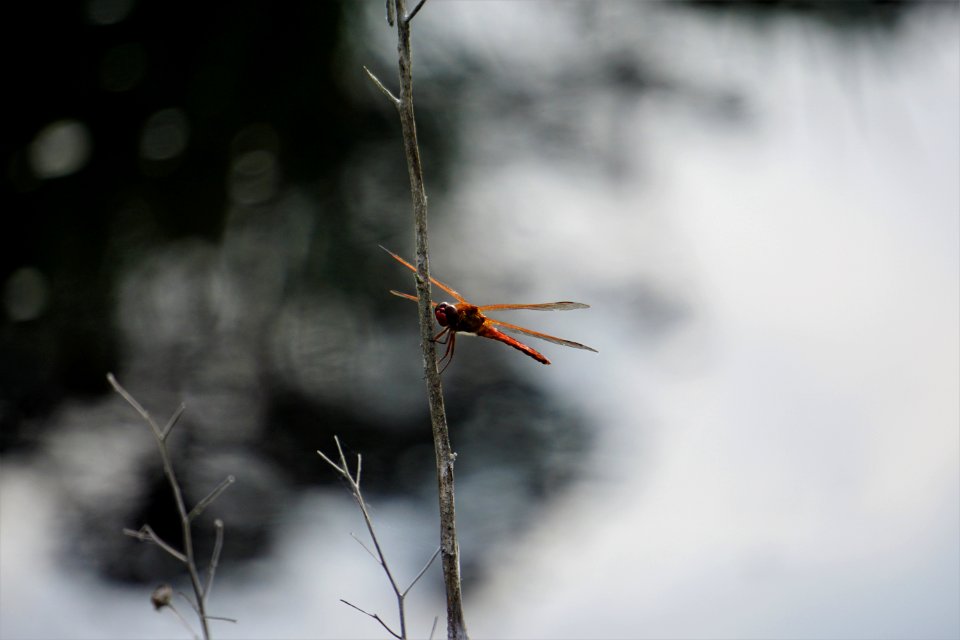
column 463, row 317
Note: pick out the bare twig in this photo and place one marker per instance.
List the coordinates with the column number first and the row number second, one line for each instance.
column 374, row 616
column 215, row 556
column 203, row 504
column 416, row 10
column 391, row 12
column 160, row 435
column 422, row 571
column 353, row 481
column 449, row 548
column 365, row 547
column 383, row 89
column 173, row 420
column 147, row 534
column 183, row 620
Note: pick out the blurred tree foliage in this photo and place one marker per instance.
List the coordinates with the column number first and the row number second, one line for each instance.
column 110, row 66
column 110, row 69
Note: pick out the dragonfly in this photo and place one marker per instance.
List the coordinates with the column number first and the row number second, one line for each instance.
column 464, row 317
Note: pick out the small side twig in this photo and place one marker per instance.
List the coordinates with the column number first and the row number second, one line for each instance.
column 374, row 616
column 422, row 571
column 353, row 481
column 376, row 81
column 215, row 555
column 210, row 497
column 147, row 534
column 416, row 9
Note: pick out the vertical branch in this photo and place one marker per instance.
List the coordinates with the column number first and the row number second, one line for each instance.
column 449, row 548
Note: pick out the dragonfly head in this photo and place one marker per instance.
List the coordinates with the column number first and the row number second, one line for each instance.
column 446, row 314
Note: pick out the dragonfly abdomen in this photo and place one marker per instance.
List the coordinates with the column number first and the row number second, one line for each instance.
column 488, row 331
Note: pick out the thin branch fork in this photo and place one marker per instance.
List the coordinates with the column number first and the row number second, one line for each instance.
column 393, row 7
column 392, row 12
column 147, row 534
column 416, row 10
column 353, row 481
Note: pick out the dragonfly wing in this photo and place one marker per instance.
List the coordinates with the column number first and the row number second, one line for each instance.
column 446, row 288
column 543, row 306
column 512, row 328
column 409, row 297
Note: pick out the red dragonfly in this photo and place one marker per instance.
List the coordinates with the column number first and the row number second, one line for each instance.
column 464, row 317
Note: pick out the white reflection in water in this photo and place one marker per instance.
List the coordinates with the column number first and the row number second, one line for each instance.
column 800, row 425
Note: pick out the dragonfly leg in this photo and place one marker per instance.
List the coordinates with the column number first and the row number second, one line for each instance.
column 448, row 338
column 451, row 345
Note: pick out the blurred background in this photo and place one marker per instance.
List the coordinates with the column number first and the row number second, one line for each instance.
column 759, row 201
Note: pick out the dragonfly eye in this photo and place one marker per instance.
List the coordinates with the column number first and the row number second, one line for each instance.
column 445, row 313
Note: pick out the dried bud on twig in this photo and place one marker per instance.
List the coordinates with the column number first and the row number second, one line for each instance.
column 161, row 596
